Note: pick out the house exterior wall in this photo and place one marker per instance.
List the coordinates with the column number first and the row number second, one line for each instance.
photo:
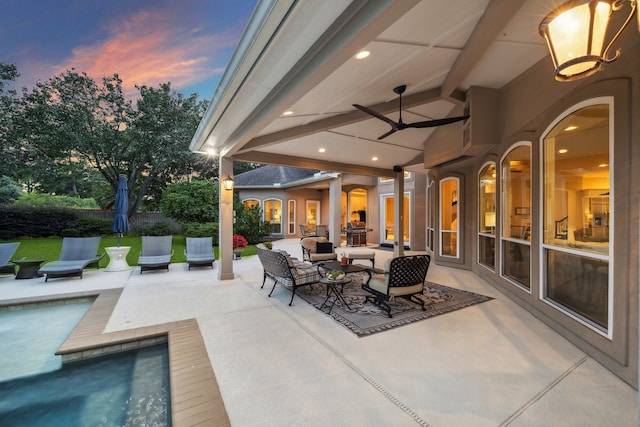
column 527, row 106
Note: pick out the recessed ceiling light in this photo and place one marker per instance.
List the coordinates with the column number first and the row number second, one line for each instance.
column 287, row 113
column 362, row 54
column 322, row 150
column 571, row 127
column 374, row 158
column 562, row 151
column 603, row 165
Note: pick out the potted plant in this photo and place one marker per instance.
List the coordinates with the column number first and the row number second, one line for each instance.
column 335, row 275
column 239, row 243
column 268, row 245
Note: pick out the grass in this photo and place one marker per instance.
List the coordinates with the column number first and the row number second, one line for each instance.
column 49, row 248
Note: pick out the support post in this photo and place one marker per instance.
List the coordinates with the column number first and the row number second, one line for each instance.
column 225, row 235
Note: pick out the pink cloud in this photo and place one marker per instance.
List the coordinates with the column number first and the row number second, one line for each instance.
column 149, row 49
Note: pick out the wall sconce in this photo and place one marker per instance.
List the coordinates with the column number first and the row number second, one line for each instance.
column 575, row 35
column 228, row 183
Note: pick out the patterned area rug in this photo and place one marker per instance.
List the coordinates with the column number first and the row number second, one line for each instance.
column 365, row 319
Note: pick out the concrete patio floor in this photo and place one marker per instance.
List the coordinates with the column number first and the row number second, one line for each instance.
column 492, row 364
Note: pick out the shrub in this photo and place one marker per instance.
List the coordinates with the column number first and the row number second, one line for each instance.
column 249, row 224
column 239, row 242
column 197, row 229
column 192, row 201
column 157, row 229
column 38, row 200
column 18, row 221
column 88, row 227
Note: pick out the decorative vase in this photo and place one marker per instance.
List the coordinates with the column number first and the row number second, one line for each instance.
column 344, row 261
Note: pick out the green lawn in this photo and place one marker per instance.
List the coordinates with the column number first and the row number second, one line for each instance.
column 49, row 248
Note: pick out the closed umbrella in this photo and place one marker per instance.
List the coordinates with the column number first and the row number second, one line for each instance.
column 121, row 221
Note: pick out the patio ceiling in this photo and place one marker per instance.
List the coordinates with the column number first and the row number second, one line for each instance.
column 299, row 56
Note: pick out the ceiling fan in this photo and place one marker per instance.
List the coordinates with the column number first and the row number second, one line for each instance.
column 400, row 125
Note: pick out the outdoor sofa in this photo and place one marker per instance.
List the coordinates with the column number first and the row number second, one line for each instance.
column 289, row 272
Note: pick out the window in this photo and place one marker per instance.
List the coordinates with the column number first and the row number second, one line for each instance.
column 273, row 214
column 249, row 203
column 387, row 218
column 357, row 205
column 291, row 211
column 313, row 212
column 449, row 211
column 487, row 216
column 577, row 214
column 515, row 215
column 431, row 206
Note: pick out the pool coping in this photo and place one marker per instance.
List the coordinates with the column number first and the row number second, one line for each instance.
column 195, row 395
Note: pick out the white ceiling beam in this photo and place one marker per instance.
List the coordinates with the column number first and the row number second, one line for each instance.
column 495, row 18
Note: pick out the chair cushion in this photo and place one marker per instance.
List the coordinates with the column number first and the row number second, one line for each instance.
column 309, row 243
column 379, row 282
column 324, row 247
column 323, row 257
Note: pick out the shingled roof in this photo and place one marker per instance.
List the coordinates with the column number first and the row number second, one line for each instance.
column 266, row 176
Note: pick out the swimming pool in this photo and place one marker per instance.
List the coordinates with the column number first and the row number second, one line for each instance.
column 123, row 389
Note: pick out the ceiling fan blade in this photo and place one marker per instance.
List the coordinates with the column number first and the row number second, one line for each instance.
column 376, row 115
column 434, row 123
column 387, row 134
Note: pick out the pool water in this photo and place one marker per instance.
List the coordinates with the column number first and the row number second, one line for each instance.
column 123, row 389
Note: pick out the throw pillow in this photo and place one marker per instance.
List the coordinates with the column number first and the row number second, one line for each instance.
column 324, row 247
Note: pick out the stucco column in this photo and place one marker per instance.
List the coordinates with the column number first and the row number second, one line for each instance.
column 398, row 213
column 335, row 210
column 225, row 222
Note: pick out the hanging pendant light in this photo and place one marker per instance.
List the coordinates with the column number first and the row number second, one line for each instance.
column 575, row 33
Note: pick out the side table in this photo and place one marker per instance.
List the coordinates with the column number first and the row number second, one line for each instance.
column 332, row 287
column 28, row 268
column 118, row 258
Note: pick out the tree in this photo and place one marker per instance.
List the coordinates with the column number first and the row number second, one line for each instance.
column 193, row 201
column 8, row 109
column 70, row 126
column 9, row 190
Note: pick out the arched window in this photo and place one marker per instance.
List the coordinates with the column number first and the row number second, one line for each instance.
column 431, row 207
column 449, row 213
column 273, row 214
column 487, row 215
column 516, row 215
column 249, row 203
column 577, row 213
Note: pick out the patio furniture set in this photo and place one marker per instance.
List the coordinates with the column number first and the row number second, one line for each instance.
column 402, row 277
column 79, row 253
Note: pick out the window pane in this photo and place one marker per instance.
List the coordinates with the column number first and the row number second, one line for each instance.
column 486, row 252
column 579, row 283
column 516, row 258
column 487, row 200
column 449, row 217
column 576, row 166
column 273, row 214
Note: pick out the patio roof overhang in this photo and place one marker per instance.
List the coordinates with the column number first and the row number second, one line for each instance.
column 299, row 56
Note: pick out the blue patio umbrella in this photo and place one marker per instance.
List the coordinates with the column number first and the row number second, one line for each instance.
column 121, row 221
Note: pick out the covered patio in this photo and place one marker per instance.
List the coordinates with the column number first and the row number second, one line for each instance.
column 486, row 365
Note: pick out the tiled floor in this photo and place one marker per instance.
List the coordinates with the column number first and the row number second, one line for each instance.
column 488, row 365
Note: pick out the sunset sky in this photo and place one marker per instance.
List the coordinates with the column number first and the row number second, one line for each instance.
column 186, row 42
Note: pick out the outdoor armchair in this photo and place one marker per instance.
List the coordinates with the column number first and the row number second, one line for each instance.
column 317, row 249
column 199, row 252
column 6, row 252
column 156, row 253
column 77, row 253
column 402, row 277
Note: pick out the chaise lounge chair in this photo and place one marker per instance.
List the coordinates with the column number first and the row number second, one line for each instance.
column 199, row 252
column 77, row 253
column 156, row 253
column 6, row 252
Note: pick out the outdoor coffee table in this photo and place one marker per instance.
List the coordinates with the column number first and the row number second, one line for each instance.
column 336, row 265
column 332, row 287
column 28, row 268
